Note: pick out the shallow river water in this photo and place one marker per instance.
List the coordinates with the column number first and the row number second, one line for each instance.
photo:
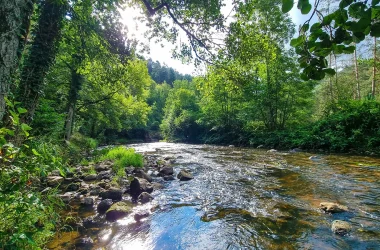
column 242, row 198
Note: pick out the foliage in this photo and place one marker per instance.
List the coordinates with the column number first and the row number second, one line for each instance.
column 123, row 158
column 334, row 33
column 161, row 74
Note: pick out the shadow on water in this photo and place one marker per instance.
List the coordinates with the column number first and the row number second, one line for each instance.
column 250, row 199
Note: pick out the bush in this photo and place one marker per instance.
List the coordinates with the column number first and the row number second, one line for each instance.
column 122, row 158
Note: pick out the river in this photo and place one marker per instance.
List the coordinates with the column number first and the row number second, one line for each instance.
column 244, row 198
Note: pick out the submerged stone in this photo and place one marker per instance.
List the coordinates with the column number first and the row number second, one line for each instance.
column 119, row 210
column 340, row 227
column 331, row 207
column 184, row 175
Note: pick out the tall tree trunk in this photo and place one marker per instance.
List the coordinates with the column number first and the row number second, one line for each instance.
column 358, row 97
column 13, row 27
column 374, row 70
column 41, row 55
column 75, row 85
column 330, row 82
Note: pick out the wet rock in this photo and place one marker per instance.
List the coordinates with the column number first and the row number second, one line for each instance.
column 341, row 227
column 129, row 170
column 93, row 222
column 73, row 187
column 144, row 198
column 66, row 197
column 166, row 171
column 331, row 207
column 141, row 174
column 260, row 146
column 88, row 201
column 53, row 181
column 272, row 151
column 295, row 150
column 90, row 177
column 84, row 243
column 104, row 185
column 231, row 146
column 139, row 185
column 119, row 210
column 157, row 186
column 104, row 175
column 184, row 175
column 169, row 178
column 55, row 173
column 104, row 205
column 314, row 158
column 141, row 215
column 112, row 193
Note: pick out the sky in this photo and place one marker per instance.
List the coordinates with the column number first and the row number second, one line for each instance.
column 164, row 54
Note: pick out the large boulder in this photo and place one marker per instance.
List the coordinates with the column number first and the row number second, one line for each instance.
column 139, row 185
column 144, row 197
column 112, row 193
column 53, row 181
column 119, row 210
column 166, row 171
column 140, row 215
column 104, row 205
column 141, row 174
column 184, row 175
column 331, row 207
column 340, row 227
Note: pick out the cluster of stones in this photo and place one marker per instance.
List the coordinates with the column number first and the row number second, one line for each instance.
column 338, row 226
column 112, row 201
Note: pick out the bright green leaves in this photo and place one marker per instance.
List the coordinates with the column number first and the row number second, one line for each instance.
column 295, row 42
column 287, row 5
column 304, row 6
column 375, row 30
column 344, row 3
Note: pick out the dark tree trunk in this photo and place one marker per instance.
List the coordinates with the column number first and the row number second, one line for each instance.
column 13, row 28
column 41, row 55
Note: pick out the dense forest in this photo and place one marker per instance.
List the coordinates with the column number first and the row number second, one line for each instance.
column 72, row 79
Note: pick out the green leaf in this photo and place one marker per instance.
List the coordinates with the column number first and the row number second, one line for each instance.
column 287, row 5
column 315, row 27
column 297, row 41
column 344, row 3
column 375, row 2
column 305, row 27
column 306, row 8
column 35, row 152
column 22, row 110
column 375, row 30
column 329, row 71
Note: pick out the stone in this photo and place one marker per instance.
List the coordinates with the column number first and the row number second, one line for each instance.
column 231, row 146
column 55, row 173
column 104, row 205
column 90, row 177
column 66, row 197
column 119, row 210
column 157, row 186
column 103, row 166
column 144, row 197
column 166, row 171
column 141, row 215
column 341, row 227
column 331, row 207
column 86, row 243
column 53, row 181
column 295, row 150
column 104, row 175
column 272, row 151
column 314, row 158
column 139, row 185
column 184, row 175
column 129, row 170
column 112, row 193
column 73, row 187
column 169, row 178
column 141, row 174
column 93, row 222
column 260, row 146
column 88, row 201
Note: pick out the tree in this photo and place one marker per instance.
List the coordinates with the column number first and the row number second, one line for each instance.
column 333, row 33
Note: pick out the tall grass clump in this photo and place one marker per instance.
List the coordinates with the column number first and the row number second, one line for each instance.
column 122, row 158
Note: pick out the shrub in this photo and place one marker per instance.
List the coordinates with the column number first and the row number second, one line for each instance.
column 122, row 158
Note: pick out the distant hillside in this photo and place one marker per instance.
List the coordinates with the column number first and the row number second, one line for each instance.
column 163, row 73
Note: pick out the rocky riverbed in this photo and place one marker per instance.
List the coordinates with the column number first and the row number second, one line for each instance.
column 212, row 197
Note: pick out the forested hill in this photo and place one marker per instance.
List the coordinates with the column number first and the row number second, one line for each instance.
column 162, row 73
column 71, row 80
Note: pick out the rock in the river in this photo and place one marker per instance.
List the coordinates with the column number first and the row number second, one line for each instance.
column 53, row 181
column 85, row 243
column 340, row 227
column 315, row 158
column 119, row 210
column 144, row 197
column 272, row 151
column 141, row 215
column 66, row 197
column 231, row 146
column 331, row 207
column 88, row 201
column 169, row 178
column 260, row 146
column 139, row 185
column 93, row 221
column 104, row 205
column 184, row 175
column 90, row 177
column 166, row 171
column 157, row 186
column 112, row 193
column 141, row 174
column 295, row 150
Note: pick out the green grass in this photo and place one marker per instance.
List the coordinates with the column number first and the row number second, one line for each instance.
column 123, row 158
